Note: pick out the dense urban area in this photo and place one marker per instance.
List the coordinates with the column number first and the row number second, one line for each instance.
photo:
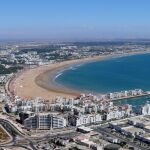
column 82, row 123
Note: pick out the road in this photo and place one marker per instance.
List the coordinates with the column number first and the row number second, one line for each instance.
column 67, row 134
column 103, row 131
column 16, row 134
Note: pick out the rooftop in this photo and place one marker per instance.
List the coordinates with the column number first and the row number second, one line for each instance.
column 85, row 128
column 141, row 119
column 134, row 130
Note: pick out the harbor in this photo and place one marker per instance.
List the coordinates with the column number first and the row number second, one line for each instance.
column 127, row 94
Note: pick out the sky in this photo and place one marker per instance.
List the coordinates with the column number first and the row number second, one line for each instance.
column 74, row 19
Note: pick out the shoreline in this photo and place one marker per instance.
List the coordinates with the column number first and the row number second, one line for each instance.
column 40, row 81
column 47, row 81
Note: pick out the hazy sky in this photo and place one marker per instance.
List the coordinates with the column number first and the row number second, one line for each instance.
column 74, row 19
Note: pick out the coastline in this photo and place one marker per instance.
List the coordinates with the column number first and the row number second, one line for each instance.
column 39, row 82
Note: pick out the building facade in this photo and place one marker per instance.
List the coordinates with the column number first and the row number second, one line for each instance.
column 45, row 121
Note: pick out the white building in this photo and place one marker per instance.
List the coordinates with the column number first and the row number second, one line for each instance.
column 88, row 119
column 117, row 113
column 45, row 121
column 145, row 110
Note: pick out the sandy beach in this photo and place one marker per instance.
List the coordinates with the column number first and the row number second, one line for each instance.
column 38, row 82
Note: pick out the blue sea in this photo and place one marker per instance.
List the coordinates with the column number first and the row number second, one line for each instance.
column 136, row 102
column 110, row 75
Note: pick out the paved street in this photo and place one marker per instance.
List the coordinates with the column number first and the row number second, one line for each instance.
column 105, row 132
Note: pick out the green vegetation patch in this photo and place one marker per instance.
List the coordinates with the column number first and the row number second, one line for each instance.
column 9, row 70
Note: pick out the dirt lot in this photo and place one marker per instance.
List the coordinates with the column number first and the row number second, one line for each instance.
column 3, row 135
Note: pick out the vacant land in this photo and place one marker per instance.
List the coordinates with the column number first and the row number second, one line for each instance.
column 3, row 135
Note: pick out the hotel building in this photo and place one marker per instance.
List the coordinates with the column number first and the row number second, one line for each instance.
column 44, row 121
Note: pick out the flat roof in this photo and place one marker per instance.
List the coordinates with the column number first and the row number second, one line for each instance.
column 124, row 125
column 140, row 119
column 85, row 128
column 133, row 130
column 147, row 127
column 147, row 136
column 120, row 122
column 147, row 116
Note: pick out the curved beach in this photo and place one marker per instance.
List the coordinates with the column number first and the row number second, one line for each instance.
column 39, row 82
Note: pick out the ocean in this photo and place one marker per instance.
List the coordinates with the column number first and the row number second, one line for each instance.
column 108, row 75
